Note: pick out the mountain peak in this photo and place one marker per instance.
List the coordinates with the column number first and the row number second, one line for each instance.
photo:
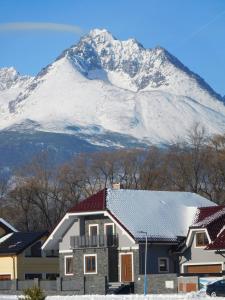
column 102, row 35
column 8, row 71
column 8, row 76
column 118, row 87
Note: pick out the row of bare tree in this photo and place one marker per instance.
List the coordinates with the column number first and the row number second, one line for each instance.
column 39, row 194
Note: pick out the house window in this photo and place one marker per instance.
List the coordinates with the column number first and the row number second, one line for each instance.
column 109, row 229
column 32, row 276
column 90, row 264
column 201, row 239
column 68, row 265
column 93, row 229
column 163, row 265
column 51, row 276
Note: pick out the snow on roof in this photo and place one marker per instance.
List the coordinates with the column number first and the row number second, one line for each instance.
column 5, row 237
column 210, row 219
column 163, row 215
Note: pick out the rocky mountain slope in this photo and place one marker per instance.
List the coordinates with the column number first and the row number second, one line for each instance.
column 108, row 92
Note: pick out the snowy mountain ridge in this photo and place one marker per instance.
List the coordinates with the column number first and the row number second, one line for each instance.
column 103, row 86
column 9, row 77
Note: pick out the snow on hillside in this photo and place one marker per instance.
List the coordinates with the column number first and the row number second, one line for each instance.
column 11, row 85
column 118, row 87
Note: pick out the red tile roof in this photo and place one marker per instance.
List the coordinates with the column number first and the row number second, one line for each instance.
column 95, row 202
column 213, row 219
column 205, row 212
column 218, row 243
column 215, row 227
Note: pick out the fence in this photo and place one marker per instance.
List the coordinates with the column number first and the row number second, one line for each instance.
column 77, row 286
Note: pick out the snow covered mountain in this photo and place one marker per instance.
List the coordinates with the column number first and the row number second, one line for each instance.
column 11, row 85
column 112, row 93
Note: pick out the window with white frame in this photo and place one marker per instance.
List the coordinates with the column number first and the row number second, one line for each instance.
column 90, row 264
column 163, row 265
column 93, row 229
column 201, row 239
column 108, row 229
column 68, row 265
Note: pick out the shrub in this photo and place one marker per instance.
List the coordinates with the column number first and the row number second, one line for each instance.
column 34, row 293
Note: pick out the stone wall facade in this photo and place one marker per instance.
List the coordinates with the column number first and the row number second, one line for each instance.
column 93, row 283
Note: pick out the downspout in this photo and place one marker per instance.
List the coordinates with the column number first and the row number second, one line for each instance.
column 14, row 271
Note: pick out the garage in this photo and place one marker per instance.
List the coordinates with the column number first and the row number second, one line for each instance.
column 5, row 277
column 201, row 269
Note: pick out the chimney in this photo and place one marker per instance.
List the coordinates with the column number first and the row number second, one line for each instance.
column 116, row 186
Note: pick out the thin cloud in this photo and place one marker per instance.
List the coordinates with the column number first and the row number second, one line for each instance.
column 24, row 26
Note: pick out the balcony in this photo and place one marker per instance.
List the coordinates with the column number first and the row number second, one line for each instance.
column 93, row 241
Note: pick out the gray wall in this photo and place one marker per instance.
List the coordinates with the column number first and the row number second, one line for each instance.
column 73, row 230
column 154, row 252
column 199, row 255
column 124, row 240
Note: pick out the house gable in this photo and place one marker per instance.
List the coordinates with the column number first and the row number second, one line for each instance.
column 211, row 221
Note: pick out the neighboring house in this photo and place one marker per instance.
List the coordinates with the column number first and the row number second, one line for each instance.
column 204, row 250
column 100, row 238
column 21, row 257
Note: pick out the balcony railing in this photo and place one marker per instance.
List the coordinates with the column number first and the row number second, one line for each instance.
column 93, row 241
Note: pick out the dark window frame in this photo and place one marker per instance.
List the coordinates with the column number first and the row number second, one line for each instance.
column 69, row 270
column 163, row 268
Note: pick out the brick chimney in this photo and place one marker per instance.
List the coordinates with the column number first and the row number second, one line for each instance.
column 116, row 186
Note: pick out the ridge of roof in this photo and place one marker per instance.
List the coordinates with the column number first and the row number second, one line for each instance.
column 153, row 191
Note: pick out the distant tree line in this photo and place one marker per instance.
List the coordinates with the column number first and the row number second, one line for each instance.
column 40, row 193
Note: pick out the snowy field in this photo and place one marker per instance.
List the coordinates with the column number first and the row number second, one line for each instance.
column 122, row 297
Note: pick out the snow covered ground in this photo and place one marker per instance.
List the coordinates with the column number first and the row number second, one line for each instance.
column 121, row 297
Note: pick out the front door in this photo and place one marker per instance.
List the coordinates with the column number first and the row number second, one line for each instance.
column 126, row 267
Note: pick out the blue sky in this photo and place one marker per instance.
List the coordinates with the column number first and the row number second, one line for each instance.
column 192, row 30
